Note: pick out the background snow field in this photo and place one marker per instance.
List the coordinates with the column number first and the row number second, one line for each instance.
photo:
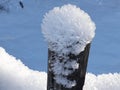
column 14, row 75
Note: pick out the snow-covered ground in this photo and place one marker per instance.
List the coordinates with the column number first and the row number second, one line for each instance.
column 20, row 35
column 14, row 75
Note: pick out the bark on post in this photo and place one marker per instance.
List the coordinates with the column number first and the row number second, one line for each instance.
column 78, row 75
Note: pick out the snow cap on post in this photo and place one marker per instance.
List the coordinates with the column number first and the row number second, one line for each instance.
column 68, row 29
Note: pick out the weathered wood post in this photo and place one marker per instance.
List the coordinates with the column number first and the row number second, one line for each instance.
column 69, row 32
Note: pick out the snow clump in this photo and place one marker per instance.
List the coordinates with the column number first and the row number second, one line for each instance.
column 68, row 29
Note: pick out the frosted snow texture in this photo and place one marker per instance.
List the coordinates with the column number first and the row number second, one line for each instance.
column 102, row 82
column 14, row 75
column 68, row 29
column 62, row 69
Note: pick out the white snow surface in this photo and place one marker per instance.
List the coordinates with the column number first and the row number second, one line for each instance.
column 68, row 29
column 14, row 75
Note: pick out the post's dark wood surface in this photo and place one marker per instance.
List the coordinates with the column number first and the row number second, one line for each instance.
column 78, row 75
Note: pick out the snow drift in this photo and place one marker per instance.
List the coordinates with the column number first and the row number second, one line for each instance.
column 14, row 75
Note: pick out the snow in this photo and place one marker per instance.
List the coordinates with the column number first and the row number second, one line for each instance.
column 68, row 30
column 64, row 81
column 19, row 27
column 102, row 82
column 20, row 35
column 14, row 75
column 68, row 27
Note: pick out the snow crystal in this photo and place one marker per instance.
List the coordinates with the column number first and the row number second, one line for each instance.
column 64, row 68
column 14, row 75
column 68, row 30
column 64, row 81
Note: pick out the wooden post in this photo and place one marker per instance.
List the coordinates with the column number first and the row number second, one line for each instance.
column 69, row 32
column 78, row 75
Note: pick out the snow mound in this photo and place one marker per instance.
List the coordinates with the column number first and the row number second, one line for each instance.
column 102, row 82
column 14, row 75
column 68, row 27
